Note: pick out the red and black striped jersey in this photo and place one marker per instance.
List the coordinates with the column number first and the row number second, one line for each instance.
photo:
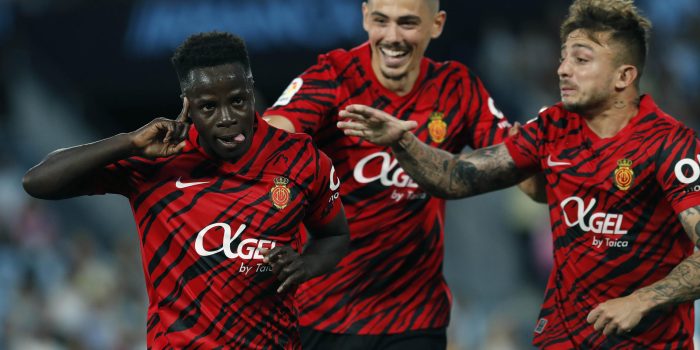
column 391, row 281
column 201, row 223
column 613, row 209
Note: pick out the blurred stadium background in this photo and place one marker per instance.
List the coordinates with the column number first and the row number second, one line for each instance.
column 73, row 71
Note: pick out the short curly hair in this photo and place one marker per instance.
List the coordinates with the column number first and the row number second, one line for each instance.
column 620, row 18
column 208, row 50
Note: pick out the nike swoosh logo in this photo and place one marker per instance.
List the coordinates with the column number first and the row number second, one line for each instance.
column 552, row 163
column 180, row 184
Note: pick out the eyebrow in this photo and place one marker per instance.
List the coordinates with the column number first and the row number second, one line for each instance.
column 578, row 46
column 402, row 18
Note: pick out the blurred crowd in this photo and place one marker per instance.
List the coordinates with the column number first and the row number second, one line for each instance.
column 62, row 286
column 69, row 282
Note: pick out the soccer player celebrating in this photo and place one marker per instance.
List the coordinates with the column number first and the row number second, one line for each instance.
column 218, row 206
column 623, row 183
column 389, row 291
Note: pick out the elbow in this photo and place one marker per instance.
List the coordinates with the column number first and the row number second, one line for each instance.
column 29, row 183
column 534, row 187
column 32, row 184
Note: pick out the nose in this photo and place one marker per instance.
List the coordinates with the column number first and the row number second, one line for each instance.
column 564, row 69
column 228, row 118
column 392, row 33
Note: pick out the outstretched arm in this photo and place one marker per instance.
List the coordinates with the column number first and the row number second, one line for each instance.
column 63, row 173
column 438, row 172
column 446, row 175
column 681, row 285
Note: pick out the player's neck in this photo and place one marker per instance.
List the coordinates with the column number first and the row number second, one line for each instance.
column 613, row 116
column 401, row 86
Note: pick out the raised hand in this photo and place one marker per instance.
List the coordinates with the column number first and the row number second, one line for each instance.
column 162, row 137
column 374, row 125
column 288, row 265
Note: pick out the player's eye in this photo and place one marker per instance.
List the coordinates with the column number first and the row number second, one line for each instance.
column 237, row 100
column 380, row 20
column 409, row 24
column 207, row 107
column 581, row 60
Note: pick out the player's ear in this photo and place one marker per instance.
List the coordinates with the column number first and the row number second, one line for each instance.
column 625, row 76
column 365, row 16
column 438, row 24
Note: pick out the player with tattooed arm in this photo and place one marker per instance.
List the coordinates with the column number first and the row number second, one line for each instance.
column 622, row 180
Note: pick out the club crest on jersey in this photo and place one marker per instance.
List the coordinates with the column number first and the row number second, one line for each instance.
column 437, row 127
column 624, row 175
column 280, row 193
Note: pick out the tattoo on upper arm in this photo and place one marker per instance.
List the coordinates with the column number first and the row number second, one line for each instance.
column 690, row 219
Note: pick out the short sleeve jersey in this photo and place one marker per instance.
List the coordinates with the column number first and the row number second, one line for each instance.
column 614, row 205
column 201, row 223
column 391, row 281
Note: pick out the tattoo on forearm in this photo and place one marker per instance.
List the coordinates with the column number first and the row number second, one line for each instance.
column 443, row 174
column 683, row 283
column 463, row 174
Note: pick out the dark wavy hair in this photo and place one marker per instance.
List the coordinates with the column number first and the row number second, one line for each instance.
column 620, row 18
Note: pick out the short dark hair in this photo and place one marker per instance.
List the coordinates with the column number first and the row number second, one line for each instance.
column 208, row 50
column 619, row 17
column 434, row 5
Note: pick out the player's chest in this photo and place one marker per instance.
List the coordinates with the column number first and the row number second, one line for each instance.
column 260, row 203
column 438, row 110
column 599, row 168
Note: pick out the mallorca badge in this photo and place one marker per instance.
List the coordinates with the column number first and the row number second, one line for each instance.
column 280, row 193
column 437, row 127
column 624, row 175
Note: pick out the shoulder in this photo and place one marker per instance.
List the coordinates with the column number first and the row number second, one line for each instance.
column 660, row 120
column 447, row 69
column 659, row 124
column 290, row 144
column 452, row 73
column 554, row 114
column 295, row 154
column 666, row 134
column 329, row 64
column 340, row 57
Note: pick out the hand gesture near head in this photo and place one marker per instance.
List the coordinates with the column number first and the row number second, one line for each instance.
column 374, row 125
column 162, row 137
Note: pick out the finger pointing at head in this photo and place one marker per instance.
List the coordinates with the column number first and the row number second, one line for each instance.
column 182, row 119
column 184, row 113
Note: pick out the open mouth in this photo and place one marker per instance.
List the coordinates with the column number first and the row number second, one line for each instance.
column 232, row 140
column 394, row 57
